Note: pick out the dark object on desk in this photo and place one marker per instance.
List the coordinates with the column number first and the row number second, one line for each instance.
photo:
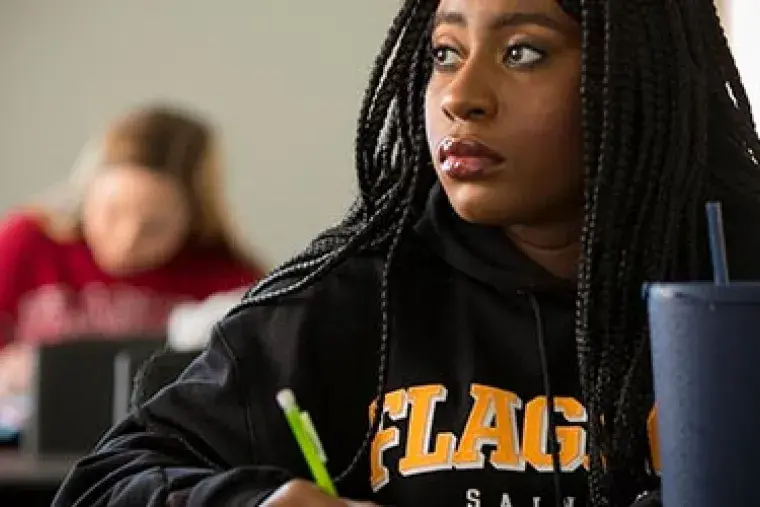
column 72, row 394
column 31, row 481
column 139, row 374
column 11, row 443
column 19, row 469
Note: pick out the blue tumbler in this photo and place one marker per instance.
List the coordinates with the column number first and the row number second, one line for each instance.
column 706, row 357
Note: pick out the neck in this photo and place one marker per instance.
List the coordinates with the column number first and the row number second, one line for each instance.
column 555, row 246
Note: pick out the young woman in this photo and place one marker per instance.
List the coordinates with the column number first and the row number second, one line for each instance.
column 143, row 229
column 473, row 333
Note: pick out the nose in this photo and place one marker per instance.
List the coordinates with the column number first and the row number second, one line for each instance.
column 470, row 97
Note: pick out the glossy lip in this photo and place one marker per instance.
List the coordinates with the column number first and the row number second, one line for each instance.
column 466, row 147
column 466, row 158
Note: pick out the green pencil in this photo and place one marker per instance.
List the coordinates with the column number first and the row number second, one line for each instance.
column 307, row 440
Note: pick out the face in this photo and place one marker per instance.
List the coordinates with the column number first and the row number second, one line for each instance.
column 134, row 219
column 503, row 110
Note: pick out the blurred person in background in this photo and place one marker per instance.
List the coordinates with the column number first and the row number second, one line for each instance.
column 140, row 228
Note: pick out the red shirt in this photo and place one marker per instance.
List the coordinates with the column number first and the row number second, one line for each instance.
column 50, row 289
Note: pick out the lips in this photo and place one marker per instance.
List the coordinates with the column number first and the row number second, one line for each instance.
column 466, row 158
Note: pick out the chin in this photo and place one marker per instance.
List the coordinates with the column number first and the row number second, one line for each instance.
column 476, row 215
column 118, row 269
column 479, row 205
column 117, row 266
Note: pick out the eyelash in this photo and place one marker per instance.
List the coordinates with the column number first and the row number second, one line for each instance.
column 436, row 49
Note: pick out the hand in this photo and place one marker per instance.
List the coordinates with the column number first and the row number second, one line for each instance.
column 16, row 364
column 300, row 493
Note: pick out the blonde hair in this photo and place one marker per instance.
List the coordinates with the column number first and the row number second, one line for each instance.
column 163, row 139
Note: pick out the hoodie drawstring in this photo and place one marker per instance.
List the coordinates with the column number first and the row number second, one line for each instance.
column 553, row 440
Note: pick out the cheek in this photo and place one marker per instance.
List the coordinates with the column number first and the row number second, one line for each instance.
column 548, row 118
column 159, row 249
column 96, row 219
column 435, row 120
column 168, row 238
column 546, row 142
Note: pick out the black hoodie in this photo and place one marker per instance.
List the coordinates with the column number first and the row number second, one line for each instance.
column 479, row 336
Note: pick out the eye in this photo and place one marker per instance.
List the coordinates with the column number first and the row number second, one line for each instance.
column 445, row 57
column 523, row 56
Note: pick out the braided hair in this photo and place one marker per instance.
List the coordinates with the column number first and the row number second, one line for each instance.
column 663, row 110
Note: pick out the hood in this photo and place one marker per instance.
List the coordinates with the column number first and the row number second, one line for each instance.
column 487, row 255
column 483, row 252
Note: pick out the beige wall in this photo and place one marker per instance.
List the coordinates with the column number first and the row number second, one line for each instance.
column 742, row 16
column 723, row 11
column 283, row 79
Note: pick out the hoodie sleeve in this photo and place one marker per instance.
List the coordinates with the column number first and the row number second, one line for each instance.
column 217, row 437
column 190, row 446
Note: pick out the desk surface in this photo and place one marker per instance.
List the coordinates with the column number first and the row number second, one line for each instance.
column 19, row 469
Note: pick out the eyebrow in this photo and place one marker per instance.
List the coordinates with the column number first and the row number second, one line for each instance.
column 501, row 20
